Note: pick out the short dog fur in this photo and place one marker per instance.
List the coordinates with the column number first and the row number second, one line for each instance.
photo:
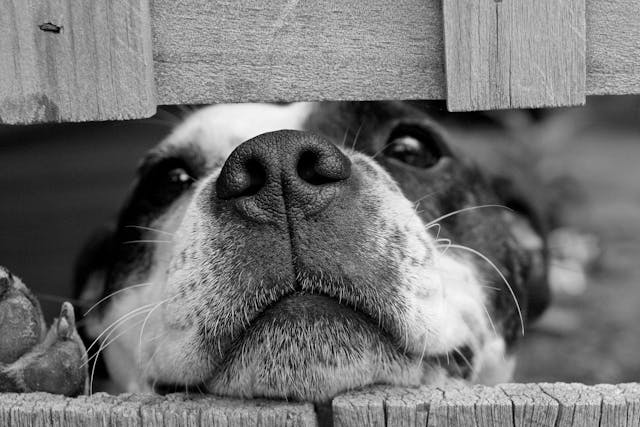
column 300, row 250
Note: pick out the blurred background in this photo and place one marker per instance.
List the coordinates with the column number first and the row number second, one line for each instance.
column 59, row 182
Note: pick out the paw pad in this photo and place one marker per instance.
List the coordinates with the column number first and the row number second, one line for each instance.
column 32, row 359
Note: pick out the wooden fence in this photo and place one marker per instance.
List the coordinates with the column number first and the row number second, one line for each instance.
column 512, row 405
column 70, row 60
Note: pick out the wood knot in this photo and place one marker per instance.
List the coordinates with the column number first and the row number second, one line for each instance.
column 50, row 28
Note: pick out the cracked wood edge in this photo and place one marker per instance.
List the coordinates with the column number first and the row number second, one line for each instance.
column 517, row 405
column 42, row 409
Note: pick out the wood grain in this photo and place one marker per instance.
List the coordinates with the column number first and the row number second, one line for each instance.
column 93, row 60
column 41, row 409
column 302, row 50
column 613, row 47
column 514, row 53
column 75, row 60
column 513, row 405
column 224, row 51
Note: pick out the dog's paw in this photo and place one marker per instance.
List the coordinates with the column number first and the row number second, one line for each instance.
column 32, row 359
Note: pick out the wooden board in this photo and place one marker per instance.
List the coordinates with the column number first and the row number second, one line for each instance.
column 75, row 60
column 41, row 409
column 95, row 60
column 514, row 53
column 508, row 405
column 613, row 47
column 513, row 405
column 223, row 51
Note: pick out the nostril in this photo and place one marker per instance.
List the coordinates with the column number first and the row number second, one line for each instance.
column 318, row 170
column 307, row 169
column 240, row 179
column 257, row 178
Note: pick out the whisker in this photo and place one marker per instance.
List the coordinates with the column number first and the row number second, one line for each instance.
column 140, row 285
column 140, row 227
column 445, row 242
column 377, row 153
column 344, row 138
column 504, row 279
column 103, row 346
column 464, row 210
column 355, row 138
column 424, row 350
column 439, row 229
column 107, row 341
column 146, row 319
column 424, row 197
column 153, row 355
column 464, row 358
column 117, row 322
column 486, row 311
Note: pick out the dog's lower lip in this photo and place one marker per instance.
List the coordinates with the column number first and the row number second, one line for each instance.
column 304, row 305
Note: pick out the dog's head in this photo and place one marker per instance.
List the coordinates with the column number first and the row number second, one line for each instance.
column 296, row 251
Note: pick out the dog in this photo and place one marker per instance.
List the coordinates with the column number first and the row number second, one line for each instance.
column 296, row 251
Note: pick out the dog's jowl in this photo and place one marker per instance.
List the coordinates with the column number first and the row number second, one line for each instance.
column 301, row 250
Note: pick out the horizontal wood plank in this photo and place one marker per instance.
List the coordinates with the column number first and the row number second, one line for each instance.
column 512, row 405
column 508, row 405
column 75, row 60
column 227, row 51
column 287, row 50
column 102, row 410
column 71, row 60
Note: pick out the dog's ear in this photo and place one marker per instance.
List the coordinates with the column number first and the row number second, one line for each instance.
column 527, row 221
column 92, row 264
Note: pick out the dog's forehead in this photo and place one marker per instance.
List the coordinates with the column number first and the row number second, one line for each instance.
column 216, row 130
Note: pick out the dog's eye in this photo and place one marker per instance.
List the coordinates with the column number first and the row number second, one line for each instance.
column 166, row 181
column 414, row 146
column 179, row 177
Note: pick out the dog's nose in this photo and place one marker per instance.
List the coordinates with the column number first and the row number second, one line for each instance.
column 283, row 170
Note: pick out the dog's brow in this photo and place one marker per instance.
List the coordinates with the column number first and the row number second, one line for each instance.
column 191, row 154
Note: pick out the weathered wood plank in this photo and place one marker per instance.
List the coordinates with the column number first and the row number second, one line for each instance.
column 512, row 405
column 531, row 406
column 514, row 53
column 222, row 51
column 92, row 60
column 75, row 60
column 579, row 405
column 302, row 50
column 41, row 409
column 613, row 47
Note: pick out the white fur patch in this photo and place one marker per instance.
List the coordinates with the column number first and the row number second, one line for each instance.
column 219, row 129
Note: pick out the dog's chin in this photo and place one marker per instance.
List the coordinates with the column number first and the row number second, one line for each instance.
column 310, row 347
